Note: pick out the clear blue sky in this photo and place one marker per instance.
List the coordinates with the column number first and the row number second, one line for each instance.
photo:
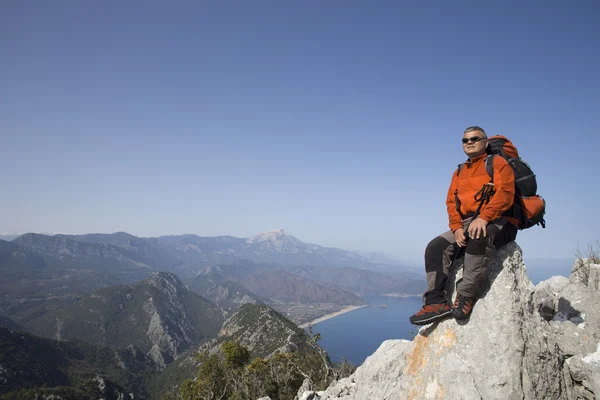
column 338, row 121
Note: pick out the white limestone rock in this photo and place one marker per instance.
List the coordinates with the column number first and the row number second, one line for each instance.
column 594, row 277
column 504, row 351
column 583, row 376
column 521, row 342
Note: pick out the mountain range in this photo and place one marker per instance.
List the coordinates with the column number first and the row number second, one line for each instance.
column 158, row 315
column 189, row 251
column 36, row 265
column 100, row 303
column 273, row 282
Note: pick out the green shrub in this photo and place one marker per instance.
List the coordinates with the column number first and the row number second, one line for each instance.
column 230, row 375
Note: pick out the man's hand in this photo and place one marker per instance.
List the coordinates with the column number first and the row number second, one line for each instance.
column 477, row 228
column 459, row 235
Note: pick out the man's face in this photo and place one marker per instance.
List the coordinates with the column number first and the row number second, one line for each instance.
column 474, row 143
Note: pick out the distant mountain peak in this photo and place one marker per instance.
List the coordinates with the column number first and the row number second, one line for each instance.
column 166, row 281
column 37, row 239
column 31, row 235
column 277, row 238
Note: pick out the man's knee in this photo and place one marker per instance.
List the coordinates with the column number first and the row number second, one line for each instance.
column 477, row 247
column 434, row 253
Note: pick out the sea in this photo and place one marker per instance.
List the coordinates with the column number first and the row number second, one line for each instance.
column 357, row 334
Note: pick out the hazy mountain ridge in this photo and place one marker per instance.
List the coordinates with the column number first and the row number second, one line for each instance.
column 359, row 281
column 328, row 283
column 62, row 258
column 146, row 250
column 283, row 285
column 64, row 248
column 30, row 278
column 230, row 296
column 16, row 263
column 272, row 282
column 124, row 258
column 158, row 315
column 267, row 247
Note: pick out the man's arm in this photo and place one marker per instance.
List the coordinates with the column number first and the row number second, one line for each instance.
column 455, row 221
column 504, row 185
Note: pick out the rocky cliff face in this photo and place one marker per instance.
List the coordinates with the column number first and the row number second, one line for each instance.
column 521, row 342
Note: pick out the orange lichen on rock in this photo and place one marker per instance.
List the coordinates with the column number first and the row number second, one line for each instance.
column 416, row 359
column 447, row 339
column 427, row 351
column 427, row 346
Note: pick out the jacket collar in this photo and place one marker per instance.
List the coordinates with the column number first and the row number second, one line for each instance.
column 476, row 159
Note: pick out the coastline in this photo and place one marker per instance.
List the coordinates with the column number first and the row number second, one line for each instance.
column 401, row 295
column 332, row 315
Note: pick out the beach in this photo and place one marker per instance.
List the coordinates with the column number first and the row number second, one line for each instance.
column 401, row 295
column 328, row 316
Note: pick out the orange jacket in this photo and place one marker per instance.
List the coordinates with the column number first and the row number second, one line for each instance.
column 471, row 179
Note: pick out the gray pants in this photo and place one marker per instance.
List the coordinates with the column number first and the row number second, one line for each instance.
column 441, row 250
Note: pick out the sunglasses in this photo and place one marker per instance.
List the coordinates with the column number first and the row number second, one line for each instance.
column 472, row 139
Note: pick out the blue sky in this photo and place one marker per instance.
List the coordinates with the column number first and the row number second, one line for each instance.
column 338, row 121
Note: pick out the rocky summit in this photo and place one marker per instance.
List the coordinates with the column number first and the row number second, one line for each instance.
column 521, row 342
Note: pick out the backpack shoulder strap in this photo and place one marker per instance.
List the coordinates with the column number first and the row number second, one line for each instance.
column 489, row 166
column 456, row 200
column 459, row 167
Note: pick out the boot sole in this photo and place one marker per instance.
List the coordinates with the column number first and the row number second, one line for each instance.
column 431, row 319
column 461, row 316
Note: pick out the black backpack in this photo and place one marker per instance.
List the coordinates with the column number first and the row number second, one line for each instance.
column 529, row 207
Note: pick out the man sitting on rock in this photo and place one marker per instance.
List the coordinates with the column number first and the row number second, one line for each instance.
column 478, row 212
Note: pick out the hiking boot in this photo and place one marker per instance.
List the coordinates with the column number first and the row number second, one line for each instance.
column 462, row 307
column 430, row 313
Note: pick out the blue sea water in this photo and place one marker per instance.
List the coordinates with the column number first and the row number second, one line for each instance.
column 357, row 334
